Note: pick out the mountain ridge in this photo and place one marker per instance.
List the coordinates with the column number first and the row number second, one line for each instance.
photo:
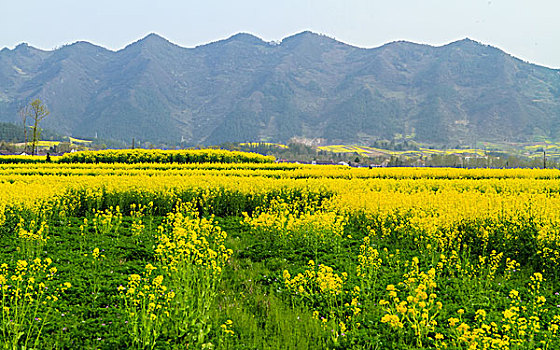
column 243, row 88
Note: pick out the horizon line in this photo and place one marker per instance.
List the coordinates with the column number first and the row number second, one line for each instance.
column 272, row 42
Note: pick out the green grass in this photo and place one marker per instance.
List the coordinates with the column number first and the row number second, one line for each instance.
column 252, row 292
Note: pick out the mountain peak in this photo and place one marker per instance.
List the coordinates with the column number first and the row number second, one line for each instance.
column 468, row 45
column 150, row 42
column 153, row 37
column 305, row 34
column 241, row 37
column 246, row 37
column 21, row 46
column 85, row 46
column 307, row 37
column 466, row 42
column 25, row 49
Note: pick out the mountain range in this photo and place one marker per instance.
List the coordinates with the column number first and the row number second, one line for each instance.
column 307, row 86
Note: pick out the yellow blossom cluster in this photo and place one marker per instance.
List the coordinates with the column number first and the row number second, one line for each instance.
column 369, row 262
column 32, row 236
column 192, row 254
column 29, row 292
column 138, row 213
column 413, row 302
column 164, row 156
column 104, row 222
column 226, row 328
column 186, row 239
column 147, row 303
column 522, row 324
column 317, row 279
column 285, row 223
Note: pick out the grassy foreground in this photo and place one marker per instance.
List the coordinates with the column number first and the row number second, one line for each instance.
column 265, row 257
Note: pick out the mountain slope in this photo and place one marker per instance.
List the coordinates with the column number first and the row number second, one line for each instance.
column 309, row 85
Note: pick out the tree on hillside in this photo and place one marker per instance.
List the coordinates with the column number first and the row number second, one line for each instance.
column 37, row 111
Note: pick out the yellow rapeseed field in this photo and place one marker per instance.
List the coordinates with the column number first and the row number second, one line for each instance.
column 328, row 233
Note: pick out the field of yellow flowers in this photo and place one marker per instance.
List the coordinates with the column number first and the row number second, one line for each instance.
column 277, row 256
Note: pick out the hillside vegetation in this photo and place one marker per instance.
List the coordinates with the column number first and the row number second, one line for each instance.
column 309, row 86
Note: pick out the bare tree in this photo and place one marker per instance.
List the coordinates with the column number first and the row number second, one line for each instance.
column 23, row 113
column 36, row 111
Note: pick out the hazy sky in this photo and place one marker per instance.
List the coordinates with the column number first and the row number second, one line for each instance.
column 528, row 29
